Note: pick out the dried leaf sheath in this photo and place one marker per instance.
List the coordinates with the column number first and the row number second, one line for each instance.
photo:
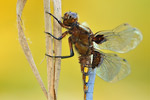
column 49, row 50
column 57, row 30
column 24, row 44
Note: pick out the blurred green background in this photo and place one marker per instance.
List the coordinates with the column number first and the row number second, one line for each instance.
column 17, row 81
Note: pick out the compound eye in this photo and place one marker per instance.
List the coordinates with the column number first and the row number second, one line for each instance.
column 66, row 15
column 69, row 17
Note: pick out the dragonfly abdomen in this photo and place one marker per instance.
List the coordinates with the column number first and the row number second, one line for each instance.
column 88, row 77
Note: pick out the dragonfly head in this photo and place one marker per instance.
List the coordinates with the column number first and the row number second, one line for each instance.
column 70, row 18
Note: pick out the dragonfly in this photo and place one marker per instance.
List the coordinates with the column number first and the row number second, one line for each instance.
column 108, row 66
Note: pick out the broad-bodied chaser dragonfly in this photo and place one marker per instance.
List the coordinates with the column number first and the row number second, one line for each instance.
column 107, row 66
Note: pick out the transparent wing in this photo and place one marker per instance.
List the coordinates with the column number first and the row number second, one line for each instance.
column 121, row 39
column 113, row 68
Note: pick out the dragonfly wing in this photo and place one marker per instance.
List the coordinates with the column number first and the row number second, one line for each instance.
column 113, row 68
column 121, row 39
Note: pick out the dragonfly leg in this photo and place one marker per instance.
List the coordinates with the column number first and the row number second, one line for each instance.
column 71, row 51
column 59, row 38
column 61, row 24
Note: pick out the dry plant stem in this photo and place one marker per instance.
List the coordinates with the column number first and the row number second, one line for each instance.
column 57, row 30
column 24, row 45
column 49, row 50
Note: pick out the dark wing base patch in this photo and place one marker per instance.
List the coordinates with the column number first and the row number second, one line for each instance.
column 97, row 59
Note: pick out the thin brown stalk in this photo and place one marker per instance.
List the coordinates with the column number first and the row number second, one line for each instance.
column 49, row 50
column 57, row 30
column 25, row 46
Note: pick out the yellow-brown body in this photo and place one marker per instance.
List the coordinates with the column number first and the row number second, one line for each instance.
column 81, row 37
